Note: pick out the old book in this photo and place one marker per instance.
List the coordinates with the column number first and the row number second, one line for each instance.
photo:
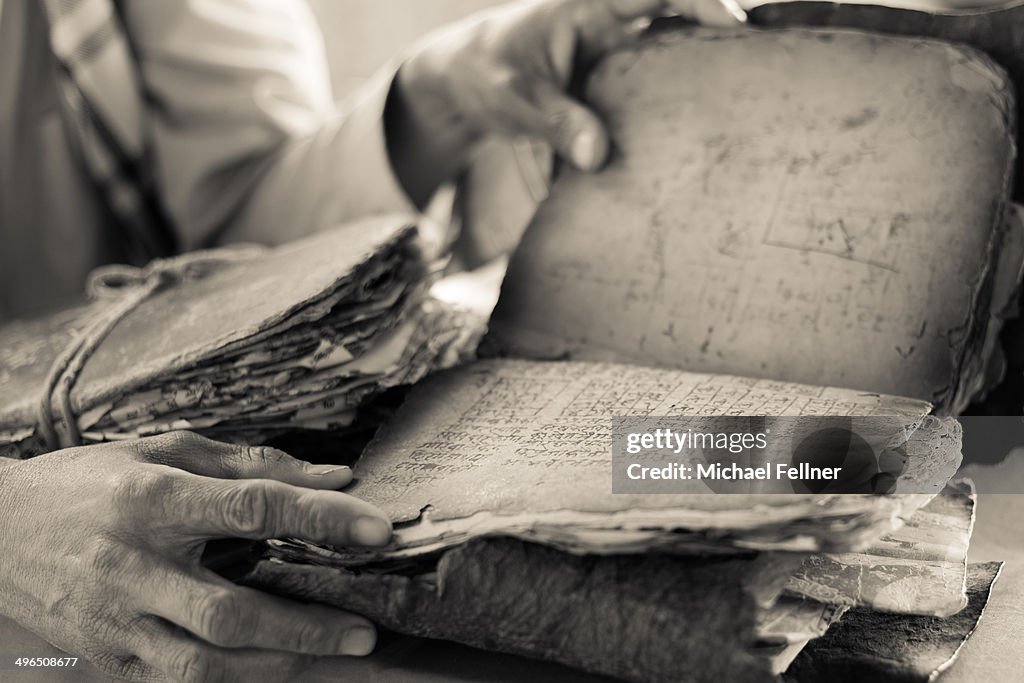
column 753, row 223
column 621, row 615
column 750, row 224
column 522, row 449
column 645, row 618
column 525, row 449
column 242, row 344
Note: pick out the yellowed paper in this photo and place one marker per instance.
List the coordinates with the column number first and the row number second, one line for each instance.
column 523, row 448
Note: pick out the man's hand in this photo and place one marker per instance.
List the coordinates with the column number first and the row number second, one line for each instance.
column 100, row 548
column 505, row 72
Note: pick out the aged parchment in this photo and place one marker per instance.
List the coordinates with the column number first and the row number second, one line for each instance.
column 812, row 206
column 523, row 448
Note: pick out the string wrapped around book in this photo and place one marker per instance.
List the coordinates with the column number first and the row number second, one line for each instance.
column 241, row 345
column 125, row 287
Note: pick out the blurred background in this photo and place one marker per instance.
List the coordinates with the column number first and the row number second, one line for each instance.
column 362, row 35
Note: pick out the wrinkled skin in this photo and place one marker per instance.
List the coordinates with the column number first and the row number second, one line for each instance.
column 100, row 548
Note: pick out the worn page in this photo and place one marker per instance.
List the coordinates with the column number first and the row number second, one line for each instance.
column 523, row 448
column 750, row 222
column 921, row 568
column 292, row 338
column 874, row 646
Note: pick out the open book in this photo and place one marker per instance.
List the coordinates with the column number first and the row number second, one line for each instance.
column 524, row 448
column 754, row 223
column 757, row 246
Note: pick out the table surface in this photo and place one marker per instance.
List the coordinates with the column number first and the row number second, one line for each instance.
column 994, row 653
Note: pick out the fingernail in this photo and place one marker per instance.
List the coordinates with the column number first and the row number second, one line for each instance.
column 584, row 150
column 371, row 531
column 358, row 641
column 321, row 470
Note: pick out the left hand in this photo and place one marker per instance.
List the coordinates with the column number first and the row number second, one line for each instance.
column 101, row 551
column 505, row 72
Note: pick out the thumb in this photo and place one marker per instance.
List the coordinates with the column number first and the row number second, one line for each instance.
column 206, row 457
column 573, row 130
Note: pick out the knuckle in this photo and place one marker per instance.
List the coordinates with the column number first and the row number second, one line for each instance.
column 512, row 80
column 139, row 490
column 181, row 439
column 315, row 520
column 498, row 82
column 292, row 666
column 247, row 507
column 310, row 636
column 127, row 487
column 124, row 667
column 264, row 456
column 561, row 121
column 155, row 448
column 106, row 559
column 91, row 616
column 191, row 664
column 218, row 618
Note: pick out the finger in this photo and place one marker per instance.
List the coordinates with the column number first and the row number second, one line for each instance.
column 720, row 13
column 608, row 25
column 573, row 130
column 199, row 455
column 537, row 108
column 260, row 509
column 114, row 654
column 233, row 616
column 181, row 657
column 125, row 667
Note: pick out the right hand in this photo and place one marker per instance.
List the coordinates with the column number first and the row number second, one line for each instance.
column 505, row 72
column 100, row 549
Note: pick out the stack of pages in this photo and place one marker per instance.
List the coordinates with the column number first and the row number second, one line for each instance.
column 296, row 337
column 761, row 247
column 522, row 449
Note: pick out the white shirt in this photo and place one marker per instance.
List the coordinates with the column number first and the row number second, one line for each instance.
column 249, row 143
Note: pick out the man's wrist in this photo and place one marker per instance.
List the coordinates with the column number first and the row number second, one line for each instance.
column 429, row 140
column 423, row 88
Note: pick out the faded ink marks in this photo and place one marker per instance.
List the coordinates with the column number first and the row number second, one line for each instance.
column 852, row 234
column 861, row 118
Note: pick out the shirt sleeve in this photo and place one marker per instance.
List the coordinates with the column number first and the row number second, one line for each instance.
column 248, row 143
